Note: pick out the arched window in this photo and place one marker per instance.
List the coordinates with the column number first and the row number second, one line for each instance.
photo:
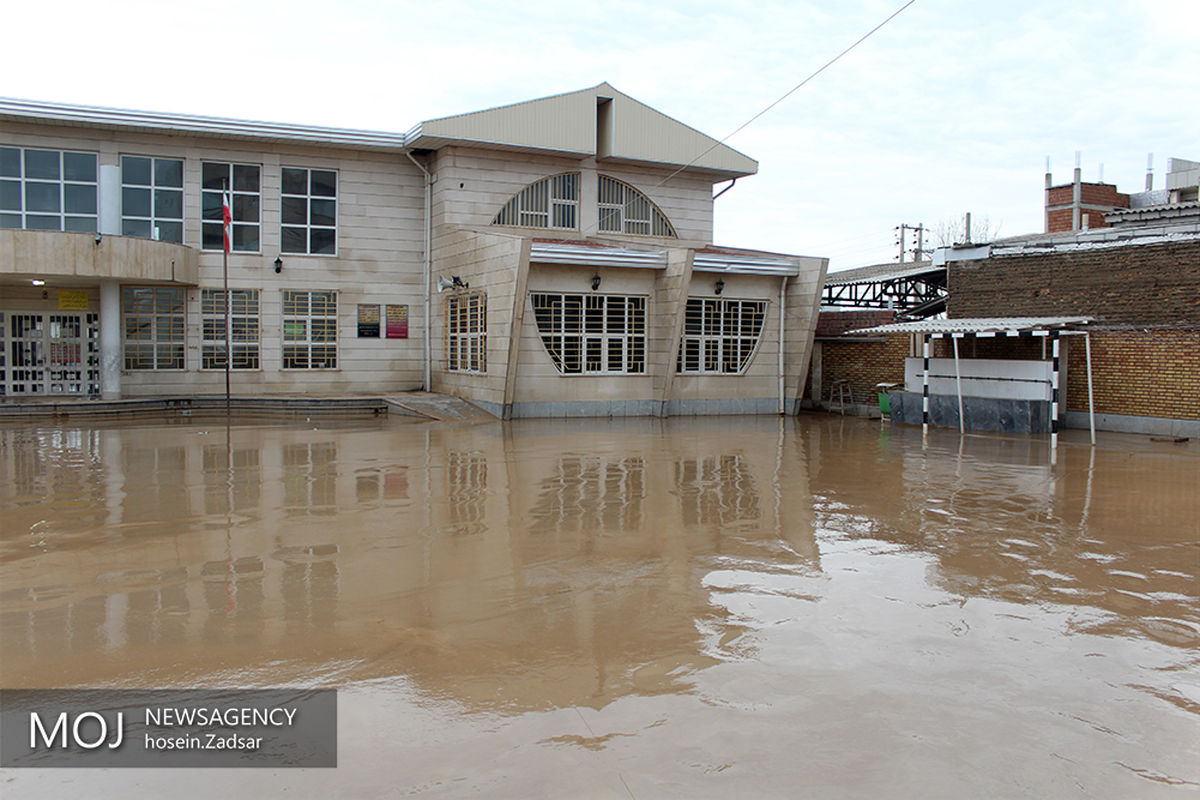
column 623, row 209
column 549, row 203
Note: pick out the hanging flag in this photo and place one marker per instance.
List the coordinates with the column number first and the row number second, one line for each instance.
column 226, row 216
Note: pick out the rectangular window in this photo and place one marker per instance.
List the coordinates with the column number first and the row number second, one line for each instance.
column 466, row 333
column 309, row 329
column 48, row 190
column 243, row 328
column 592, row 333
column 720, row 336
column 153, row 319
column 152, row 198
column 244, row 182
column 308, row 211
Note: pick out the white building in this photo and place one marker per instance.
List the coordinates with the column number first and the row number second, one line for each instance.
column 549, row 258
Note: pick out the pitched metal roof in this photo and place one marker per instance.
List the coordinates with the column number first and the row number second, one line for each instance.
column 978, row 325
column 571, row 123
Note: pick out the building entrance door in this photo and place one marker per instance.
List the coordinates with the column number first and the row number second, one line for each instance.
column 45, row 354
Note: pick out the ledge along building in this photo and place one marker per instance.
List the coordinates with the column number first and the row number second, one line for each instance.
column 549, row 258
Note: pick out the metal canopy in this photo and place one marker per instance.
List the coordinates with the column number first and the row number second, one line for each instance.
column 978, row 326
column 918, row 288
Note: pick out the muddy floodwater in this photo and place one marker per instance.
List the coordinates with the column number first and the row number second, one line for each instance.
column 715, row 607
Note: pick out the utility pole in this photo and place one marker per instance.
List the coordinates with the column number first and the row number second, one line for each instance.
column 919, row 251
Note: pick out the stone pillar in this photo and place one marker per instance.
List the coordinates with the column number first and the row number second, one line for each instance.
column 110, row 340
column 110, row 199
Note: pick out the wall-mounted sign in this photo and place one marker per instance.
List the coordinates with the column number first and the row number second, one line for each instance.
column 368, row 321
column 397, row 322
column 72, row 300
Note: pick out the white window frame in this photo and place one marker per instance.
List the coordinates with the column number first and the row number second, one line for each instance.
column 592, row 334
column 161, row 313
column 466, row 333
column 317, row 339
column 552, row 202
column 155, row 219
column 624, row 209
column 310, row 202
column 245, row 325
column 15, row 176
column 242, row 199
column 720, row 335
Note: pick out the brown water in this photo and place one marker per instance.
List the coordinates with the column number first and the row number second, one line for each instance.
column 724, row 607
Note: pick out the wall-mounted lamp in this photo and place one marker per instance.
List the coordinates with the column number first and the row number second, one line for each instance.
column 97, row 238
column 278, row 264
column 595, row 281
column 38, row 282
column 719, row 286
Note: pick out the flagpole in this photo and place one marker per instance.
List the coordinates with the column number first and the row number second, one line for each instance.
column 225, row 218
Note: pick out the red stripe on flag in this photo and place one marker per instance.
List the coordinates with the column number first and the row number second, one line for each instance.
column 227, row 217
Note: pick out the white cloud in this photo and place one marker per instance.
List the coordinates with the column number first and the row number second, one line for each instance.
column 951, row 107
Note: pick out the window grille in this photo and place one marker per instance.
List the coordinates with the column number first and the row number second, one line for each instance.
column 549, row 203
column 48, row 190
column 153, row 319
column 592, row 333
column 244, row 327
column 720, row 336
column 466, row 333
column 623, row 209
column 309, row 329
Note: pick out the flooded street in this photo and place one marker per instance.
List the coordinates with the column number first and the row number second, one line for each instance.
column 704, row 607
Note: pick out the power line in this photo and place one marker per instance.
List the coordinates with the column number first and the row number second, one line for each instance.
column 789, row 93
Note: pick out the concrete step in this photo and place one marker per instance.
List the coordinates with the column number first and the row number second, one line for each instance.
column 442, row 408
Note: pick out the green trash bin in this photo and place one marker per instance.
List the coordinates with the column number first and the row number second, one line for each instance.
column 885, row 402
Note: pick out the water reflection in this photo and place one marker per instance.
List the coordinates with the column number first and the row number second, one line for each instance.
column 554, row 564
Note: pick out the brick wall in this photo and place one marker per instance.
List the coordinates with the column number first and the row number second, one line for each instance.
column 1147, row 373
column 1090, row 194
column 863, row 364
column 1153, row 284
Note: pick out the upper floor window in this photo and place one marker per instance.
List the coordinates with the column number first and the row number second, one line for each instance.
column 592, row 333
column 623, row 209
column 152, row 198
column 720, row 336
column 48, row 190
column 549, row 203
column 308, row 211
column 244, row 184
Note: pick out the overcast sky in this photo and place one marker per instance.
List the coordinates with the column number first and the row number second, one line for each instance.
column 952, row 107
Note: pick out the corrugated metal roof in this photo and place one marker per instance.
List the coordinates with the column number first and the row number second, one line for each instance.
column 744, row 264
column 99, row 116
column 880, row 272
column 558, row 251
column 977, row 325
column 545, row 252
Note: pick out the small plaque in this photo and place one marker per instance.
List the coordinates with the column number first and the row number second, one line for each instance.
column 397, row 322
column 368, row 321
